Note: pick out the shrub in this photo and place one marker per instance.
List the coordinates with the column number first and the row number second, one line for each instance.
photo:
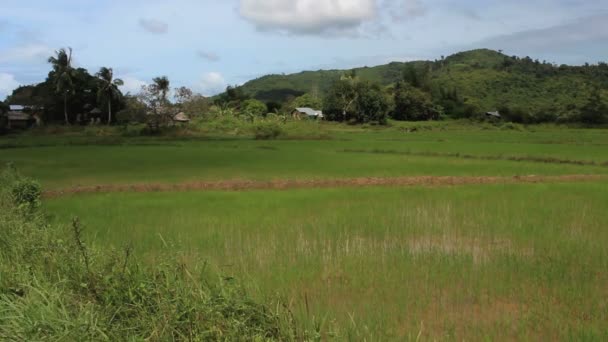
column 267, row 130
column 127, row 116
column 226, row 124
column 134, row 130
column 26, row 193
column 18, row 191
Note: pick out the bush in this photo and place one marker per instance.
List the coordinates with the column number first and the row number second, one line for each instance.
column 134, row 130
column 267, row 130
column 18, row 191
column 127, row 116
column 26, row 193
column 226, row 124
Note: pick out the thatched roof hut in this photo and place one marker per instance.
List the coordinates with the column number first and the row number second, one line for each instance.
column 181, row 117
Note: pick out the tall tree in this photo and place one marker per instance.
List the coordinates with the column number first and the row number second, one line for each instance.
column 371, row 103
column 62, row 67
column 412, row 104
column 109, row 88
column 307, row 100
column 161, row 87
column 183, row 95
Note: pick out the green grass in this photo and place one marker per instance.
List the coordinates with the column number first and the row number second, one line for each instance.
column 519, row 261
column 472, row 262
column 63, row 162
column 56, row 287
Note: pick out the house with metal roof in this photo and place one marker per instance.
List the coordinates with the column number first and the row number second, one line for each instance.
column 305, row 112
column 16, row 108
column 19, row 118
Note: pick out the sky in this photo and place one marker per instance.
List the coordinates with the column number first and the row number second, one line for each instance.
column 209, row 44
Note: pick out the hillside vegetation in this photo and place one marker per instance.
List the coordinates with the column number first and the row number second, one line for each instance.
column 473, row 81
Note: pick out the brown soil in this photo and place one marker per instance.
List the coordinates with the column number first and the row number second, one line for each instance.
column 284, row 184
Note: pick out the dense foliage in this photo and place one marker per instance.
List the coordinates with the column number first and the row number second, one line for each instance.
column 412, row 104
column 70, row 94
column 467, row 85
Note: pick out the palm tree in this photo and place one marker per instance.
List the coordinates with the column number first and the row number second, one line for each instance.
column 109, row 88
column 62, row 66
column 161, row 85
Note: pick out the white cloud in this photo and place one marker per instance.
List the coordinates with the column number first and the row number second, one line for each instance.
column 26, row 53
column 7, row 84
column 154, row 26
column 307, row 16
column 316, row 17
column 131, row 85
column 211, row 83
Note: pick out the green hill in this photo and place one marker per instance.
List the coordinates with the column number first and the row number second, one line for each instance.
column 482, row 79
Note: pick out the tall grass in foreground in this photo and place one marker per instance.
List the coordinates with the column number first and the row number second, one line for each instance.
column 53, row 286
column 475, row 262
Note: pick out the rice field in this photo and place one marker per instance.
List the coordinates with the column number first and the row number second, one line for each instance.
column 503, row 260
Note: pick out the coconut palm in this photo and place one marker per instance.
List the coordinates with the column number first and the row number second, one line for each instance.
column 109, row 88
column 64, row 73
column 161, row 86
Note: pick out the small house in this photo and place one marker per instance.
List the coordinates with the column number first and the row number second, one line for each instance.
column 181, row 117
column 19, row 118
column 307, row 113
column 95, row 115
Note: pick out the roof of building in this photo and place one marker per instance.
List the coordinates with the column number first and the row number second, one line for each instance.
column 494, row 114
column 181, row 117
column 95, row 111
column 17, row 108
column 309, row 111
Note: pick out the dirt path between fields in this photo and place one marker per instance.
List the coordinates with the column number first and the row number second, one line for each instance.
column 241, row 185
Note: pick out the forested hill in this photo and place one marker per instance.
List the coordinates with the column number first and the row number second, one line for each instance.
column 484, row 79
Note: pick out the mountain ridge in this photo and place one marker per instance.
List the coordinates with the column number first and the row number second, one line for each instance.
column 482, row 78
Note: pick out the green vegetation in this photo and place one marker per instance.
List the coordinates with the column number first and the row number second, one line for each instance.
column 53, row 286
column 494, row 261
column 470, row 83
column 364, row 226
column 437, row 149
column 350, row 99
column 464, row 85
column 462, row 263
column 109, row 91
column 70, row 95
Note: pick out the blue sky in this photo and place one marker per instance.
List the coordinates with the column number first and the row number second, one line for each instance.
column 207, row 44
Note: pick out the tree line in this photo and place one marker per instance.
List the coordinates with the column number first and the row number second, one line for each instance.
column 69, row 93
column 415, row 94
